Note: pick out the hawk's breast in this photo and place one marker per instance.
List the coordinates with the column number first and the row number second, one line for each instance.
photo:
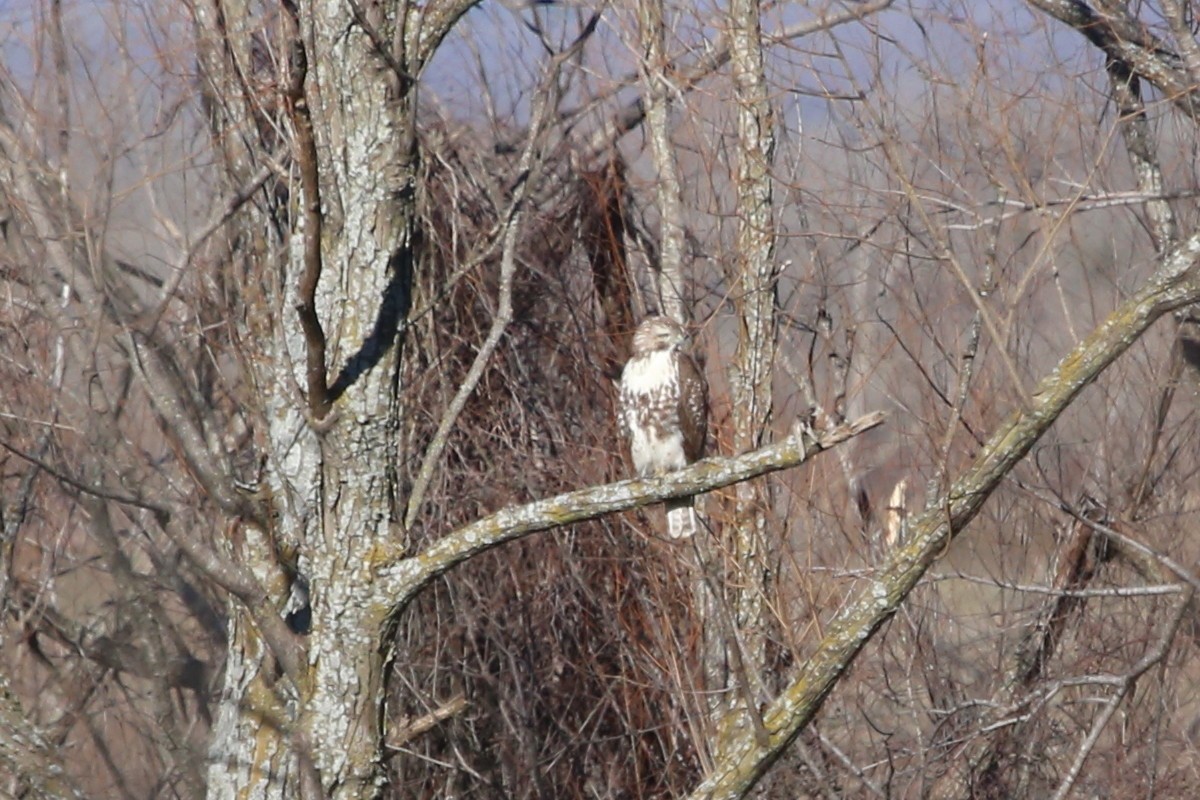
column 650, row 412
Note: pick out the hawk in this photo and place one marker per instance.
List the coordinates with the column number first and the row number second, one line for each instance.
column 664, row 410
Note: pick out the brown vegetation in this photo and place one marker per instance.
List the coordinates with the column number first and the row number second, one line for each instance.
column 956, row 202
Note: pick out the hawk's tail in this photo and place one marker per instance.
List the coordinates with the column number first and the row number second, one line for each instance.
column 681, row 518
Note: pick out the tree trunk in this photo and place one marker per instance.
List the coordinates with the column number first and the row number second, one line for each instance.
column 754, row 281
column 656, row 94
column 331, row 475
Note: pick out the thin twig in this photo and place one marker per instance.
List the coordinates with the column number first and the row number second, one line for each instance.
column 1125, row 684
column 412, row 728
column 527, row 168
column 632, row 114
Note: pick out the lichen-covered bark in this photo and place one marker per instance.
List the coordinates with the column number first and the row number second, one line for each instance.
column 753, row 283
column 249, row 751
column 1115, row 29
column 332, row 480
column 745, row 760
column 404, row 576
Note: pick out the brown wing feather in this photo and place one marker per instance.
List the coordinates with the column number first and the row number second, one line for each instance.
column 693, row 407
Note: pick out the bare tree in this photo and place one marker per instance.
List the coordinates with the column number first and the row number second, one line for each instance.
column 311, row 314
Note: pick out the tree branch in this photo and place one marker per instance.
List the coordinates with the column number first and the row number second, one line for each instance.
column 402, row 578
column 427, row 25
column 157, row 371
column 410, row 729
column 1125, row 683
column 316, row 372
column 633, row 113
column 754, row 273
column 527, row 168
column 1143, row 156
column 224, row 572
column 1124, row 39
column 743, row 761
column 656, row 103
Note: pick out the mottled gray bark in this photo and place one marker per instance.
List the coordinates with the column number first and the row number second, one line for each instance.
column 752, row 278
column 331, row 470
column 656, row 100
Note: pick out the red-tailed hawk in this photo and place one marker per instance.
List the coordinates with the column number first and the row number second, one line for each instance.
column 664, row 410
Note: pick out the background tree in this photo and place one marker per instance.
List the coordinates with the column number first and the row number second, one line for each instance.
column 309, row 307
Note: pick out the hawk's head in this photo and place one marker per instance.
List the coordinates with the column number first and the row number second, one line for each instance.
column 658, row 333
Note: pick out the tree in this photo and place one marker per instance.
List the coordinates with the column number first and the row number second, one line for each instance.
column 307, row 342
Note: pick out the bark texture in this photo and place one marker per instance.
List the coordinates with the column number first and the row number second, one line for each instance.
column 331, row 470
column 753, row 276
column 745, row 759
